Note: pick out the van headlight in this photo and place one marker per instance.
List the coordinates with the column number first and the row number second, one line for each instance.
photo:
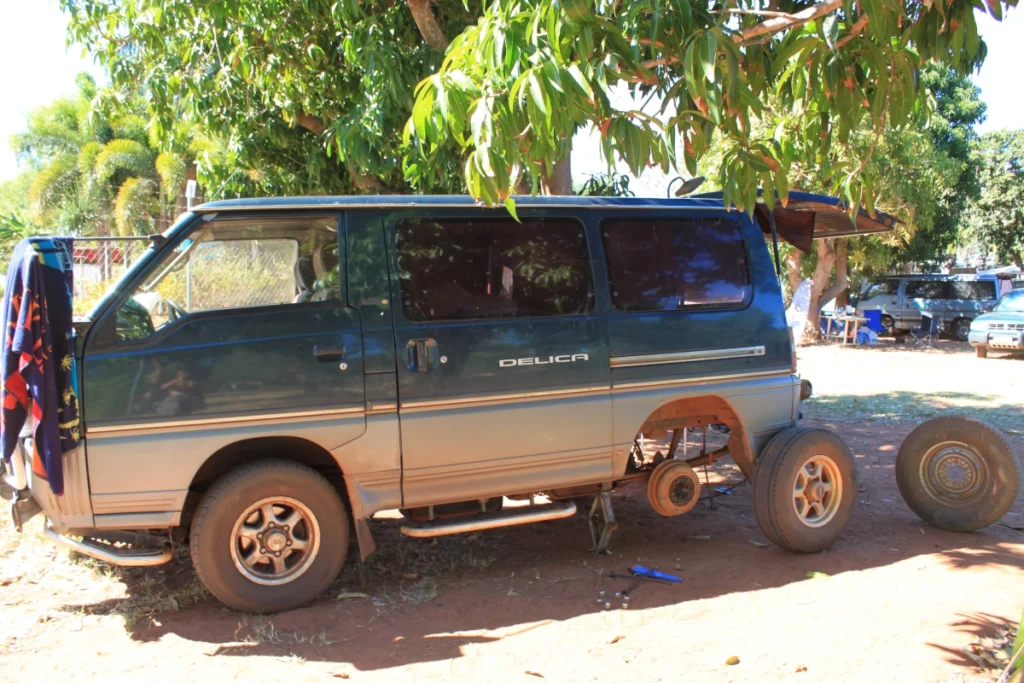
column 979, row 326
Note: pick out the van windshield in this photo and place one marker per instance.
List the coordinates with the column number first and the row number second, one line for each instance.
column 1013, row 302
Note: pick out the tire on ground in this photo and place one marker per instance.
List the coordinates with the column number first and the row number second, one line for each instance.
column 787, row 463
column 957, row 473
column 960, row 328
column 214, row 523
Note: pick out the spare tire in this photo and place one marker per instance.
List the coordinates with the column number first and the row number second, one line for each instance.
column 957, row 473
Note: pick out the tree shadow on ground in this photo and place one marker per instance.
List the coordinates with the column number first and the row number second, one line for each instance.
column 991, row 639
column 421, row 601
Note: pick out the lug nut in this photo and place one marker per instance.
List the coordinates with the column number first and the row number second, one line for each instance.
column 607, row 605
column 625, row 605
column 601, row 593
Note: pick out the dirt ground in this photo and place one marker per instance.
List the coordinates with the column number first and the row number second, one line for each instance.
column 893, row 600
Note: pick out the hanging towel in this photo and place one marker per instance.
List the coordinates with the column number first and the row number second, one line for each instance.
column 37, row 366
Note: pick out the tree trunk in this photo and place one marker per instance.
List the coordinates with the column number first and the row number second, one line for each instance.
column 793, row 261
column 842, row 281
column 559, row 182
column 426, row 22
column 1018, row 261
column 827, row 257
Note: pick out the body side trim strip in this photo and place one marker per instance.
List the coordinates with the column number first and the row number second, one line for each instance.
column 496, row 398
column 110, row 429
column 685, row 357
column 702, row 380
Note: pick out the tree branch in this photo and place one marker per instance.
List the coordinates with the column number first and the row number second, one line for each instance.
column 427, row 24
column 855, row 31
column 782, row 23
column 311, row 123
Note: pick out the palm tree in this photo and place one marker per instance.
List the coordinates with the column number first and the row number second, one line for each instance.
column 96, row 168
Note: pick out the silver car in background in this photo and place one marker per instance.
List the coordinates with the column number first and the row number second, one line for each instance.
column 1003, row 328
column 955, row 300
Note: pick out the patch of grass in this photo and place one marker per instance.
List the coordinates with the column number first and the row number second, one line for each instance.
column 916, row 406
column 261, row 631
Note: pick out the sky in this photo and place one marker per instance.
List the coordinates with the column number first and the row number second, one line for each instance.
column 38, row 68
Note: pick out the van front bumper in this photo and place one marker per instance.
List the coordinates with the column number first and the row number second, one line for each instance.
column 997, row 340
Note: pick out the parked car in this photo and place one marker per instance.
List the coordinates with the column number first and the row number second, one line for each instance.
column 273, row 372
column 1003, row 328
column 955, row 299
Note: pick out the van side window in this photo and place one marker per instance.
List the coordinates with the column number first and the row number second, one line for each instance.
column 456, row 269
column 671, row 264
column 236, row 264
column 974, row 291
column 926, row 289
column 883, row 288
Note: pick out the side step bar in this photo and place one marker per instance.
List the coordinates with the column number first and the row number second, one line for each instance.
column 122, row 557
column 511, row 517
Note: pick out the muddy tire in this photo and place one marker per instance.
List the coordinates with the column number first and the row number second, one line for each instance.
column 269, row 536
column 805, row 485
column 957, row 473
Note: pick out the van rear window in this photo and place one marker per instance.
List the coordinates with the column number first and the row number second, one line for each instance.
column 672, row 264
column 455, row 269
column 978, row 290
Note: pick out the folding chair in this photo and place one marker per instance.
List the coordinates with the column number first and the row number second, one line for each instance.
column 874, row 323
column 928, row 332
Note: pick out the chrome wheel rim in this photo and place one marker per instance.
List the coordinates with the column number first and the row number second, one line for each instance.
column 953, row 473
column 817, row 491
column 275, row 541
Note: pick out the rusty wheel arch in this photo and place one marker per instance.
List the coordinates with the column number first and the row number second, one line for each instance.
column 700, row 411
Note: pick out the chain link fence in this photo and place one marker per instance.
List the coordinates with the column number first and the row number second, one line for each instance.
column 98, row 263
column 213, row 275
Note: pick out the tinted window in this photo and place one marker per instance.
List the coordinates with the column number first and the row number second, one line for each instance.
column 926, row 289
column 974, row 290
column 883, row 288
column 661, row 265
column 454, row 269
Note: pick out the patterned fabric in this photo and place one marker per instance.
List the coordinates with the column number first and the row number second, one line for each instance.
column 38, row 361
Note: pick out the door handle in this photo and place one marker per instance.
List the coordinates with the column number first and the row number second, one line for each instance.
column 326, row 353
column 422, row 354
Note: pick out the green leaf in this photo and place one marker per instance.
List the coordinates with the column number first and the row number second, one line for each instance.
column 510, row 204
column 707, row 52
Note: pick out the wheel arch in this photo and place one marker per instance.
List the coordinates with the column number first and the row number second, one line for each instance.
column 244, row 451
column 697, row 411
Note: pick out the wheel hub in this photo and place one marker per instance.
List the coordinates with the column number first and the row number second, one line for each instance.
column 275, row 541
column 953, row 473
column 817, row 491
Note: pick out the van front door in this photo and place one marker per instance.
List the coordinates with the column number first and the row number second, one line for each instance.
column 239, row 329
column 503, row 369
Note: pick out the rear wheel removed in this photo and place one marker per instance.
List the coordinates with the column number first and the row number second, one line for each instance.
column 805, row 484
column 957, row 473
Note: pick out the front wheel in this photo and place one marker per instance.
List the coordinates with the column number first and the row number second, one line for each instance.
column 269, row 536
column 805, row 484
column 961, row 329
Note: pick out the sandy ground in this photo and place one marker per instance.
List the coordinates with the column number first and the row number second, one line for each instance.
column 894, row 600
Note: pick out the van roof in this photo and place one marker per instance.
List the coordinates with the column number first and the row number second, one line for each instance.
column 828, row 216
column 941, row 276
column 453, row 201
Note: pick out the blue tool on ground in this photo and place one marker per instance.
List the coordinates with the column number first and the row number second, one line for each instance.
column 638, row 570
